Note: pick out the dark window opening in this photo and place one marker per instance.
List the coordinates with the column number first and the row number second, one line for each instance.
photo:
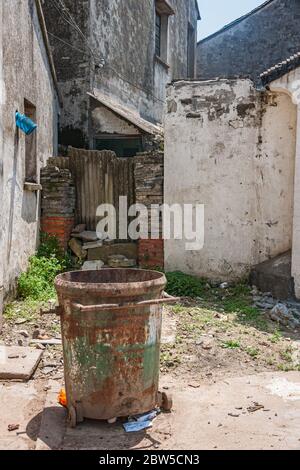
column 124, row 147
column 158, row 34
column 30, row 146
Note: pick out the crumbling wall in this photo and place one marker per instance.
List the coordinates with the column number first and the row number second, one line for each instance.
column 231, row 148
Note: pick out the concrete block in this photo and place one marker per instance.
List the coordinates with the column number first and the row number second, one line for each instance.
column 18, row 363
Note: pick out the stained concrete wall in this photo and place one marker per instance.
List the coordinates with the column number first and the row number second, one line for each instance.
column 232, row 149
column 26, row 75
column 122, row 32
column 2, row 101
column 249, row 47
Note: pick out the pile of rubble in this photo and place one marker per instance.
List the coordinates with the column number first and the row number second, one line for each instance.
column 88, row 245
column 286, row 313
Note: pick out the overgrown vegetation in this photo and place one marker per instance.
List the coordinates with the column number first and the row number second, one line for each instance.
column 237, row 329
column 37, row 284
column 182, row 285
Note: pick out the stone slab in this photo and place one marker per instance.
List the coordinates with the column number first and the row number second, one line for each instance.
column 18, row 363
column 129, row 250
column 92, row 265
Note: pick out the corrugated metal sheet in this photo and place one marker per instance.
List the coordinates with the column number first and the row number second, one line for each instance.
column 100, row 178
column 60, row 162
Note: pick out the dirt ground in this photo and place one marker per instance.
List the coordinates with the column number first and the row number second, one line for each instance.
column 221, row 357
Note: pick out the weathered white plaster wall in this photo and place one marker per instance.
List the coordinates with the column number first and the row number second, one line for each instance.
column 27, row 75
column 232, row 149
column 105, row 121
column 289, row 84
column 2, row 101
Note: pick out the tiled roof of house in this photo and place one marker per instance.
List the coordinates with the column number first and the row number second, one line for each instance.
column 237, row 21
column 280, row 69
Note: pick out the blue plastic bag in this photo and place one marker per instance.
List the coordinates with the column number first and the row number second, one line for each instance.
column 25, row 123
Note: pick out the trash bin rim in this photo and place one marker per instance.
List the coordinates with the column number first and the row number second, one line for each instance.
column 158, row 282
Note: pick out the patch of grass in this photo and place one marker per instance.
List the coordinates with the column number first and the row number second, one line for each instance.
column 169, row 359
column 38, row 282
column 286, row 367
column 271, row 361
column 178, row 309
column 183, row 285
column 28, row 310
column 252, row 316
column 253, row 352
column 231, row 344
column 276, row 337
column 286, row 355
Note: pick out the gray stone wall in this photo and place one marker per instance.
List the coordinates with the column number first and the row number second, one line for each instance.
column 24, row 74
column 252, row 45
column 122, row 32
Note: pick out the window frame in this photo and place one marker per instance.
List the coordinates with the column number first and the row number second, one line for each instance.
column 163, row 11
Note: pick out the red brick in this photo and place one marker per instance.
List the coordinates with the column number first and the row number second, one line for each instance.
column 60, row 227
column 151, row 253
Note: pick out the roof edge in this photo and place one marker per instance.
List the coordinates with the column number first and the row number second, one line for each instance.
column 234, row 22
column 127, row 114
column 198, row 10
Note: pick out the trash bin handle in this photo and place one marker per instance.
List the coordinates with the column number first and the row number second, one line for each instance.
column 167, row 299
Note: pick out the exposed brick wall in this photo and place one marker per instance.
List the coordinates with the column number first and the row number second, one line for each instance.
column 252, row 45
column 60, row 227
column 151, row 253
column 58, row 203
column 149, row 189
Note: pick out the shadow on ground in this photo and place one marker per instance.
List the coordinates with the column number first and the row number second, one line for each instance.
column 89, row 435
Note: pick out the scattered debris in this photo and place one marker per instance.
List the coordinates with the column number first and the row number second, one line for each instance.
column 79, row 228
column 45, row 342
column 194, row 385
column 140, row 422
column 62, row 398
column 86, row 236
column 112, row 420
column 224, row 285
column 255, row 407
column 13, row 427
column 24, row 333
column 91, row 245
column 233, row 415
column 120, row 261
column 137, row 426
column 21, row 321
column 76, row 247
column 286, row 316
column 92, row 265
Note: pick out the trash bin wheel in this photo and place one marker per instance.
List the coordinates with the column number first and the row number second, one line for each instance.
column 72, row 417
column 165, row 401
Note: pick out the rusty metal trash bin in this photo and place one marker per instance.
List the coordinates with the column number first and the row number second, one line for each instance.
column 111, row 328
